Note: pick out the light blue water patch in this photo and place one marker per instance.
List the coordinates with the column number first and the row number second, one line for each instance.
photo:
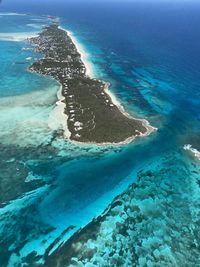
column 17, row 56
column 153, row 91
column 118, row 69
column 20, row 23
column 15, row 78
column 152, row 81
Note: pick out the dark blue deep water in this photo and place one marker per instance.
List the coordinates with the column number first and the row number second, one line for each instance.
column 150, row 54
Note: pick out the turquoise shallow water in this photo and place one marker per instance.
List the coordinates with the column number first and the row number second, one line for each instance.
column 52, row 184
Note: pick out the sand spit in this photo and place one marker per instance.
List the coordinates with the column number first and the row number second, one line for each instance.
column 58, row 117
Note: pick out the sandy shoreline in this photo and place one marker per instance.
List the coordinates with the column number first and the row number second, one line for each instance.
column 58, row 118
column 146, row 123
column 90, row 73
column 83, row 54
column 84, row 57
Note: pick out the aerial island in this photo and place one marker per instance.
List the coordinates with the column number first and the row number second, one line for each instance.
column 91, row 114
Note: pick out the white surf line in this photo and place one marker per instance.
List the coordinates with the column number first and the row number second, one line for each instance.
column 12, row 14
column 193, row 150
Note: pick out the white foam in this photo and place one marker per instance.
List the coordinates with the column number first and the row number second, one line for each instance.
column 34, row 25
column 193, row 150
column 32, row 177
column 16, row 36
column 12, row 14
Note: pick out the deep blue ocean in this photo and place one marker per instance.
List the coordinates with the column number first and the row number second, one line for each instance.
column 149, row 52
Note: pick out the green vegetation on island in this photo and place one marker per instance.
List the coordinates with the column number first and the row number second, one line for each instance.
column 91, row 114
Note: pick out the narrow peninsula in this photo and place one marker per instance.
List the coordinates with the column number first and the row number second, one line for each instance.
column 92, row 115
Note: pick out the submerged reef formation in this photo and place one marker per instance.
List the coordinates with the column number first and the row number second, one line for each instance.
column 155, row 222
column 92, row 117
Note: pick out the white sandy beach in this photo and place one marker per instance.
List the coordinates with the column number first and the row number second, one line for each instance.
column 146, row 124
column 83, row 54
column 90, row 73
column 58, row 118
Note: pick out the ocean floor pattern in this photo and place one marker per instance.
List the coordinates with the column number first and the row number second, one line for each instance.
column 141, row 227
